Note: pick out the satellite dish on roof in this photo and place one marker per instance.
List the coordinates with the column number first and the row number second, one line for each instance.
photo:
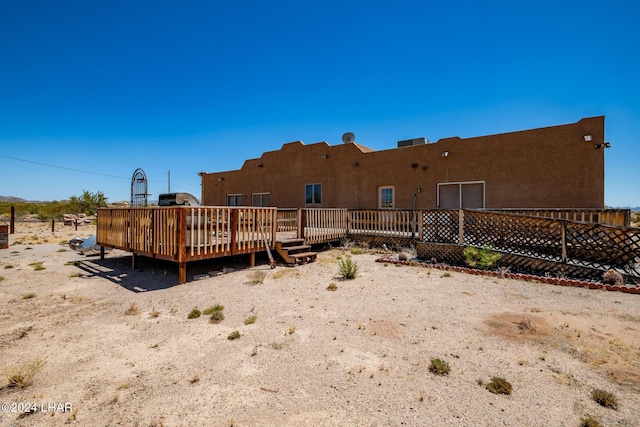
column 348, row 138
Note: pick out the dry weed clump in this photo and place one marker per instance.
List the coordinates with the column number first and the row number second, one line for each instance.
column 604, row 398
column 22, row 376
column 29, row 295
column 332, row 287
column 250, row 320
column 589, row 421
column 257, row 277
column 233, row 335
column 132, row 310
column 612, row 277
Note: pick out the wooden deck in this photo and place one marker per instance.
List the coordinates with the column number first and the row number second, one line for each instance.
column 183, row 234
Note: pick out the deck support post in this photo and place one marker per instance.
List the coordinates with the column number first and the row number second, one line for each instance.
column 252, row 259
column 182, row 272
column 134, row 260
column 101, row 252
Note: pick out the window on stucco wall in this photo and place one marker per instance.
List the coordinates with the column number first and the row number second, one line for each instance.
column 386, row 197
column 234, row 199
column 260, row 199
column 313, row 194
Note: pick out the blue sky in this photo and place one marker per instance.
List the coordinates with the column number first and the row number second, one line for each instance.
column 191, row 86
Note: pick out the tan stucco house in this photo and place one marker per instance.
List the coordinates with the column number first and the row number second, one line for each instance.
column 552, row 167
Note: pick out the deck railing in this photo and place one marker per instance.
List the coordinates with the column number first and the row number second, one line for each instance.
column 621, row 217
column 287, row 219
column 322, row 225
column 384, row 223
column 184, row 233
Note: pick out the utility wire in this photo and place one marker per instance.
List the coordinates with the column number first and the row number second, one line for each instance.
column 76, row 170
column 62, row 167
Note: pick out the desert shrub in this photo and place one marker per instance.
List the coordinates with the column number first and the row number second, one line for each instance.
column 347, row 268
column 499, row 385
column 604, row 398
column 22, row 376
column 217, row 314
column 332, row 287
column 194, row 314
column 250, row 320
column 483, row 259
column 37, row 266
column 612, row 277
column 29, row 295
column 233, row 336
column 439, row 366
column 589, row 421
column 357, row 251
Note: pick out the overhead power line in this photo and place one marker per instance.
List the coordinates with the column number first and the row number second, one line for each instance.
column 77, row 170
column 62, row 167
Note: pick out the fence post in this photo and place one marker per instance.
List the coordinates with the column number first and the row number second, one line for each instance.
column 421, row 227
column 461, row 227
column 564, row 240
column 301, row 221
column 12, row 223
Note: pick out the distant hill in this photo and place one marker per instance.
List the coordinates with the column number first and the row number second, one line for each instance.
column 11, row 199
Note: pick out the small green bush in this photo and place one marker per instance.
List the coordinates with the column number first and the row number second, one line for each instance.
column 37, row 266
column 357, row 251
column 439, row 366
column 217, row 315
column 250, row 320
column 233, row 336
column 347, row 268
column 604, row 398
column 484, row 258
column 499, row 386
column 29, row 295
column 194, row 314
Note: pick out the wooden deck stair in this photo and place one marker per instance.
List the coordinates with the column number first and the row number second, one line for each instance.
column 294, row 251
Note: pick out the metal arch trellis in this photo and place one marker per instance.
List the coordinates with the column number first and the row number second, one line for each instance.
column 139, row 193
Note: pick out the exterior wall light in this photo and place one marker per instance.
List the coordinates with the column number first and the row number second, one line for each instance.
column 605, row 145
column 445, row 154
column 424, row 167
column 326, row 156
column 588, row 138
column 221, row 179
column 355, row 164
column 414, row 165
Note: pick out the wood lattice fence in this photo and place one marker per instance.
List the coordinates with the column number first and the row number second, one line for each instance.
column 557, row 240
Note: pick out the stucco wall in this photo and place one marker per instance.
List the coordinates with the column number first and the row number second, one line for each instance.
column 552, row 167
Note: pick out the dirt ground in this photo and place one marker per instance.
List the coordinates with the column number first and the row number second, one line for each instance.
column 118, row 348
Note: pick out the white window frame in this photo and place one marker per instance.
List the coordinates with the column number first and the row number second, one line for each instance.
column 381, row 188
column 460, row 184
column 235, row 198
column 262, row 194
column 313, row 194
